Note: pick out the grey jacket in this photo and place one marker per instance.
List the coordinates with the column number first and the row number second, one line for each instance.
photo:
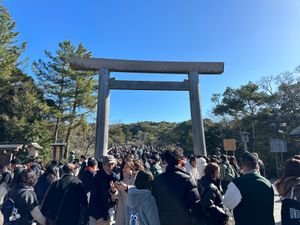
column 141, row 205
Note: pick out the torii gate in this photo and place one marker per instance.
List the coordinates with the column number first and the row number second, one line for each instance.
column 105, row 66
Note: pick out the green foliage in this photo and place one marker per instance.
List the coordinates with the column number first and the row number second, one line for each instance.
column 70, row 93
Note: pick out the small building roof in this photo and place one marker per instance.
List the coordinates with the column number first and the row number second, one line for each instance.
column 10, row 147
column 296, row 131
column 17, row 146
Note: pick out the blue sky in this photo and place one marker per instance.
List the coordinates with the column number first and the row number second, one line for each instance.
column 254, row 38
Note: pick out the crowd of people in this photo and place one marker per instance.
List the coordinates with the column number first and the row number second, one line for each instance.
column 136, row 185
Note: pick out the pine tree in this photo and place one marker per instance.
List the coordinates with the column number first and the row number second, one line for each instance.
column 70, row 92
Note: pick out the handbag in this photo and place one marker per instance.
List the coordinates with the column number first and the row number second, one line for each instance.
column 290, row 210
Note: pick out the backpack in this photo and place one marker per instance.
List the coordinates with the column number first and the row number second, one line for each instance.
column 227, row 173
column 10, row 212
column 134, row 218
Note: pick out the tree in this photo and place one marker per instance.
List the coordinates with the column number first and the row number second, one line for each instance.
column 70, row 92
column 241, row 103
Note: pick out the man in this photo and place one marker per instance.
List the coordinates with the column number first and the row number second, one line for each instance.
column 17, row 168
column 227, row 172
column 175, row 192
column 88, row 175
column 100, row 200
column 82, row 165
column 251, row 196
column 66, row 202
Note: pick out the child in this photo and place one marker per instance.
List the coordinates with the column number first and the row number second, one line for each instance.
column 141, row 206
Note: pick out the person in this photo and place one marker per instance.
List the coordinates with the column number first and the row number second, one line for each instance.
column 191, row 168
column 261, row 165
column 101, row 201
column 4, row 183
column 83, row 164
column 227, row 172
column 201, row 164
column 288, row 187
column 25, row 203
column 65, row 202
column 87, row 175
column 235, row 166
column 155, row 168
column 290, row 179
column 176, row 192
column 212, row 195
column 251, row 196
column 17, row 168
column 119, row 190
column 141, row 206
column 44, row 182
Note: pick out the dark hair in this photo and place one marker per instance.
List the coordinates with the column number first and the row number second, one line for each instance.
column 15, row 161
column 83, row 157
column 192, row 158
column 249, row 160
column 211, row 169
column 143, row 180
column 92, row 162
column 223, row 157
column 291, row 169
column 232, row 160
column 173, row 156
column 28, row 178
column 68, row 168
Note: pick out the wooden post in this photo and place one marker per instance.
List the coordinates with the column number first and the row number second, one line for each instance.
column 197, row 123
column 102, row 114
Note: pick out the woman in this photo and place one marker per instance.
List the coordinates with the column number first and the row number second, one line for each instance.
column 211, row 196
column 24, row 201
column 44, row 182
column 119, row 193
column 141, row 205
column 290, row 179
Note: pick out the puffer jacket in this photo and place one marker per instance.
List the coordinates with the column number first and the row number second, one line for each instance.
column 177, row 197
column 211, row 199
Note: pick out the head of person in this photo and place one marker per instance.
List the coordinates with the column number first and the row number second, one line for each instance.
column 108, row 163
column 232, row 160
column 15, row 162
column 212, row 170
column 249, row 162
column 128, row 167
column 92, row 163
column 28, row 178
column 174, row 157
column 193, row 161
column 223, row 158
column 292, row 168
column 82, row 158
column 68, row 168
column 143, row 180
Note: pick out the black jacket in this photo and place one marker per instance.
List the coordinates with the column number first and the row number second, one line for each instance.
column 211, row 199
column 177, row 197
column 68, row 196
column 42, row 186
column 87, row 178
column 25, row 201
column 100, row 200
column 16, row 178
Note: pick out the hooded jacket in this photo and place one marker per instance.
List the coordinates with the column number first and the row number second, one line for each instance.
column 141, row 205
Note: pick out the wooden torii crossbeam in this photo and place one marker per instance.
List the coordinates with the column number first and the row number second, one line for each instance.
column 105, row 66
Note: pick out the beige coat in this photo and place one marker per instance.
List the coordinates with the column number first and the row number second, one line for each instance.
column 121, row 196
